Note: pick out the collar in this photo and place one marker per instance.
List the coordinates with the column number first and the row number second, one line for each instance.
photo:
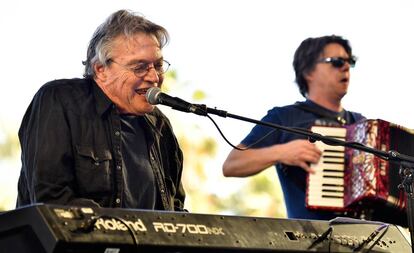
column 321, row 108
column 104, row 104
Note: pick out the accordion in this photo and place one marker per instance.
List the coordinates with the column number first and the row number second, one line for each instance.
column 346, row 177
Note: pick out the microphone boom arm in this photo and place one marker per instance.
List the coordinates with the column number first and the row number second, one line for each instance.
column 155, row 96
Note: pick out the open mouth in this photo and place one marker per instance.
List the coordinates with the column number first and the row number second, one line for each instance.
column 344, row 80
column 142, row 91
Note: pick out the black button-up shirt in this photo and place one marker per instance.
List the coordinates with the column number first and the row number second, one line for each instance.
column 71, row 145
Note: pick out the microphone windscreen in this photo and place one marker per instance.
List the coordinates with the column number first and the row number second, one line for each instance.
column 152, row 95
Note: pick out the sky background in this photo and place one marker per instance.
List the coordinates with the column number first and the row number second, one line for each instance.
column 239, row 52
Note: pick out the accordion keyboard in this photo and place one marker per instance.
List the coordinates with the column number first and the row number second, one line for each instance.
column 326, row 185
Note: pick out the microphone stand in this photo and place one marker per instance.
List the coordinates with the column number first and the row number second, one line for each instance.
column 406, row 162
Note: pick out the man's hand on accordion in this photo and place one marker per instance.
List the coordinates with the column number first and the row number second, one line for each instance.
column 300, row 153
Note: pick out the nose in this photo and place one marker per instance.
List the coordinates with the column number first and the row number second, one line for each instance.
column 152, row 75
column 346, row 66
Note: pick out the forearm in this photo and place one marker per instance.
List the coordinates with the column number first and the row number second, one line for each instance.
column 250, row 162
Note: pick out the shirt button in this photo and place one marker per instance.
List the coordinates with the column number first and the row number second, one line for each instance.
column 117, row 133
column 118, row 200
column 118, row 167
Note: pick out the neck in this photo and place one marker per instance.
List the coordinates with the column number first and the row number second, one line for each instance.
column 333, row 105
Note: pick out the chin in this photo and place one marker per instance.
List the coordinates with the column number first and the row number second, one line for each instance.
column 341, row 96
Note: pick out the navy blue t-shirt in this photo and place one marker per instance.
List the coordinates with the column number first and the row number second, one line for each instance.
column 293, row 179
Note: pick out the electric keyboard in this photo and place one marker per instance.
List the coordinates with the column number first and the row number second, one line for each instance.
column 63, row 229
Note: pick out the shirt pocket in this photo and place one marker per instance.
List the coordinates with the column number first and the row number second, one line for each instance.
column 93, row 169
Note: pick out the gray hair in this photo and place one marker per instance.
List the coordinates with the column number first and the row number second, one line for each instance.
column 122, row 22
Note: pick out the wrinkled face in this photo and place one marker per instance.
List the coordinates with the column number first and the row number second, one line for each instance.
column 120, row 83
column 328, row 80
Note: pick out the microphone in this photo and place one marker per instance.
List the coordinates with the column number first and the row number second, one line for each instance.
column 155, row 96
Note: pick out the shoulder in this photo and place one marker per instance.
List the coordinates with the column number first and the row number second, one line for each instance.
column 356, row 116
column 65, row 87
column 75, row 95
column 284, row 111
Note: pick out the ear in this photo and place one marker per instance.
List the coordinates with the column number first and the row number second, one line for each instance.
column 308, row 76
column 100, row 71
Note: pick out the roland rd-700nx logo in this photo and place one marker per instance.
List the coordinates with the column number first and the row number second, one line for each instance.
column 113, row 224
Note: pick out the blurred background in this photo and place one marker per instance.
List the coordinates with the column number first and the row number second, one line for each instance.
column 235, row 55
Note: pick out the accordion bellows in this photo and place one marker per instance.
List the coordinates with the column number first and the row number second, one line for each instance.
column 347, row 177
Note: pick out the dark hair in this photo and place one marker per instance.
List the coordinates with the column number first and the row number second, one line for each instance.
column 122, row 22
column 307, row 55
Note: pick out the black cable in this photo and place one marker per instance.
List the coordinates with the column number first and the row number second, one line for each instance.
column 304, row 132
column 235, row 147
column 380, row 237
column 324, row 236
column 372, row 236
column 91, row 224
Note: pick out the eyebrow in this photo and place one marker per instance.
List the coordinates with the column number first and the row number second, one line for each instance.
column 133, row 62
